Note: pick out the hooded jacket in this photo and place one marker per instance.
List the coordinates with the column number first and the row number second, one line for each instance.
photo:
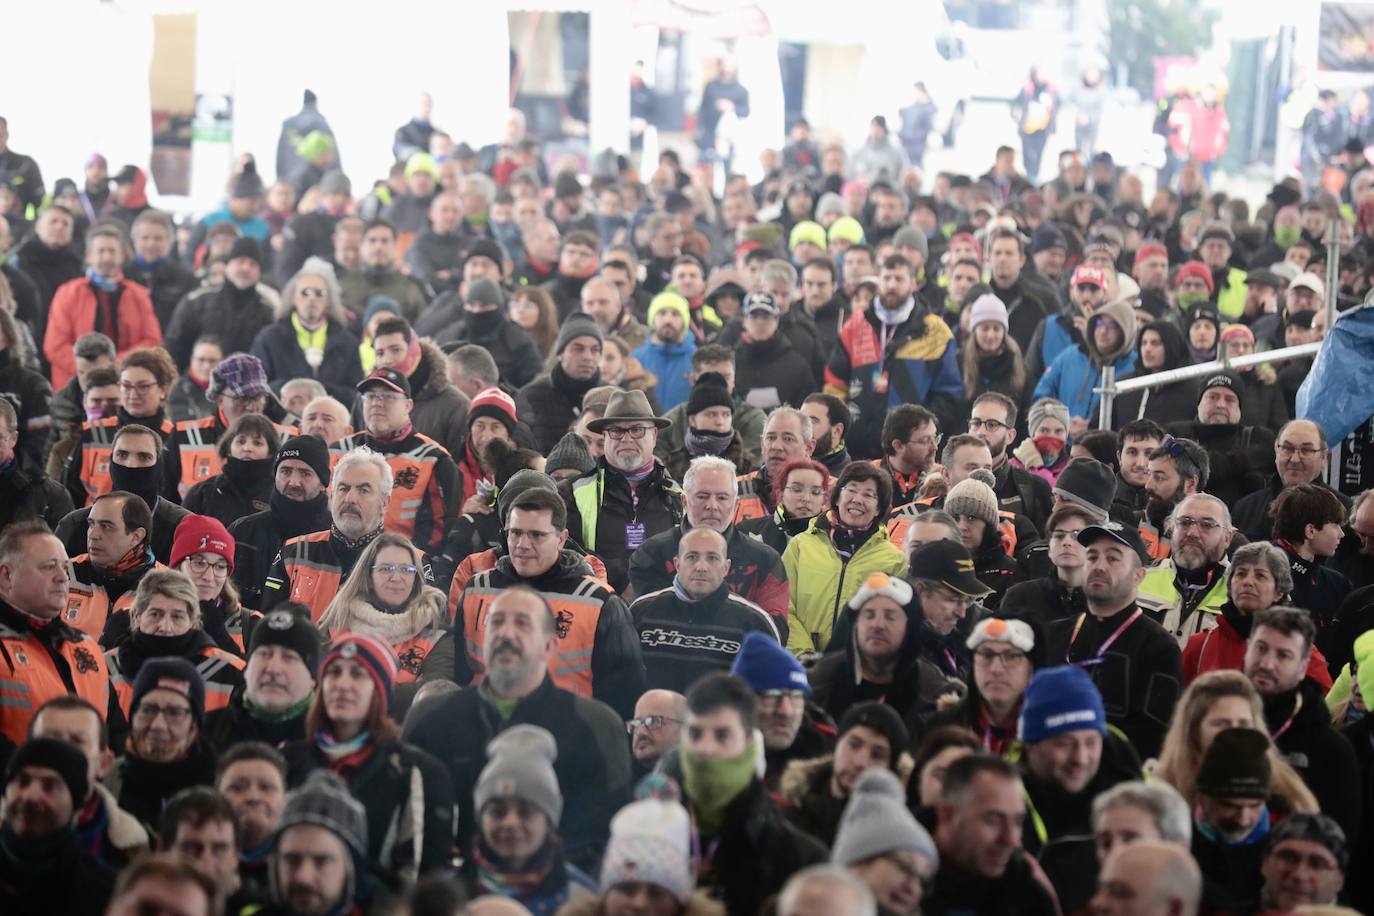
column 1162, row 403
column 440, row 411
column 1075, row 372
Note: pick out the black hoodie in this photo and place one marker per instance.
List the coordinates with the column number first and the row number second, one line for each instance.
column 1172, row 403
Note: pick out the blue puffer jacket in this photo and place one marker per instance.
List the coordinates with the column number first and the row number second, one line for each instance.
column 672, row 364
column 1076, row 371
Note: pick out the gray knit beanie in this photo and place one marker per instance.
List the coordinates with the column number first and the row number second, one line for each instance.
column 570, row 452
column 876, row 821
column 1046, row 407
column 972, row 496
column 520, row 482
column 520, row 765
column 324, row 801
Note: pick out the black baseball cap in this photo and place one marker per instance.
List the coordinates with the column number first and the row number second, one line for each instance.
column 950, row 564
column 1126, row 536
column 391, row 378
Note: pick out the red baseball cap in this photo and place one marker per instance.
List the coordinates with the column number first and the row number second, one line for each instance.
column 1088, row 274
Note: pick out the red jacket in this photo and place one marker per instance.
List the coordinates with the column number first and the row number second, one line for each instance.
column 1222, row 648
column 1202, row 131
column 73, row 313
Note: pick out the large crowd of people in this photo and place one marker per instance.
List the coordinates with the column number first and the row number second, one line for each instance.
column 503, row 537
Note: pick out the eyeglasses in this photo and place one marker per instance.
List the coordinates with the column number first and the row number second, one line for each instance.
column 375, row 396
column 175, row 715
column 534, row 537
column 652, row 723
column 1314, row 862
column 1288, row 450
column 774, row 698
column 909, row 871
column 311, row 292
column 927, row 441
column 200, row 565
column 617, row 433
column 394, row 569
column 863, row 495
column 1205, row 525
column 991, row 426
column 140, row 387
column 256, row 400
column 991, row 657
column 797, row 489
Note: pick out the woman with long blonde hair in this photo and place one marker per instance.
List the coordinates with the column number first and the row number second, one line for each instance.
column 1216, row 701
column 386, row 596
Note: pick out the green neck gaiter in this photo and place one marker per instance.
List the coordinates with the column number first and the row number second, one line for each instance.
column 1187, row 300
column 262, row 715
column 713, row 784
column 1285, row 236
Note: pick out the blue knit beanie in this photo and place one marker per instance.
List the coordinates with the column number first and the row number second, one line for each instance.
column 1058, row 700
column 766, row 665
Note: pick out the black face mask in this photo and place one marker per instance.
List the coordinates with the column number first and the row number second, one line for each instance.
column 145, row 483
column 160, row 646
column 483, row 322
column 248, row 474
column 296, row 518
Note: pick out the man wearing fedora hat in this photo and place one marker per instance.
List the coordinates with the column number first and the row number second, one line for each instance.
column 629, row 497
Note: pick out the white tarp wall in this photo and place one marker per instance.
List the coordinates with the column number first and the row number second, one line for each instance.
column 367, row 62
column 79, row 85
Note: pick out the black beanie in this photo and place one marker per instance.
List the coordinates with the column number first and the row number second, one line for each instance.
column 708, row 391
column 1236, row 765
column 1228, row 378
column 309, row 449
column 59, row 756
column 290, row 629
column 1088, row 482
column 881, row 718
column 246, row 248
column 170, row 673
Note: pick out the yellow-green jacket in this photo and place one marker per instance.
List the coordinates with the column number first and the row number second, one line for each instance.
column 822, row 581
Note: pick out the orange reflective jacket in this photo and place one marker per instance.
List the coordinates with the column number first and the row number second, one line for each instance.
column 31, row 674
column 577, row 615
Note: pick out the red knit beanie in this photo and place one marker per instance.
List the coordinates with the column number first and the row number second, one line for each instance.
column 201, row 534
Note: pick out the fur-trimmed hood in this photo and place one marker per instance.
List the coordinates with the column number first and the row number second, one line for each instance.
column 697, row 905
column 437, row 363
column 802, row 776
